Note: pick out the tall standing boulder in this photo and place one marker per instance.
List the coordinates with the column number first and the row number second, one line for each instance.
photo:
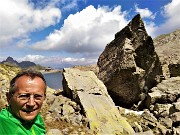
column 129, row 65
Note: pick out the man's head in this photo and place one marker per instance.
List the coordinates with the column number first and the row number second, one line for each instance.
column 26, row 95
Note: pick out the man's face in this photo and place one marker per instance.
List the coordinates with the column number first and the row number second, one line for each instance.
column 26, row 102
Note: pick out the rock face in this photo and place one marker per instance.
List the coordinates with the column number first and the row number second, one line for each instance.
column 87, row 90
column 129, row 65
column 167, row 47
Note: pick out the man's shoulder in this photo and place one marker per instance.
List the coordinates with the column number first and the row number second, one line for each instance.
column 3, row 113
column 4, row 117
column 6, row 124
column 4, row 121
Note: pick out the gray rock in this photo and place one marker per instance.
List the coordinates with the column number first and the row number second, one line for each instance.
column 177, row 106
column 137, row 127
column 167, row 122
column 149, row 116
column 154, row 97
column 149, row 132
column 174, row 69
column 67, row 109
column 54, row 132
column 163, row 110
column 176, row 131
column 161, row 129
column 87, row 90
column 129, row 65
column 165, row 92
column 175, row 117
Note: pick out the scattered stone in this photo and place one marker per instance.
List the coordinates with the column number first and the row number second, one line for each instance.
column 167, row 91
column 167, row 122
column 54, row 132
column 67, row 109
column 175, row 117
column 176, row 106
column 162, row 110
column 176, row 131
column 137, row 127
column 149, row 132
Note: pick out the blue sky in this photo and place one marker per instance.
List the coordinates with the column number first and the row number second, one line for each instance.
column 59, row 33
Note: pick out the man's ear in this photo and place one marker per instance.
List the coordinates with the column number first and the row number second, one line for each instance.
column 8, row 96
column 44, row 96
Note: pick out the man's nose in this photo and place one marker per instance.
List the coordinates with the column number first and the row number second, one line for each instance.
column 31, row 101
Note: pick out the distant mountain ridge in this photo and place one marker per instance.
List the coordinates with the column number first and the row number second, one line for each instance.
column 24, row 64
column 10, row 61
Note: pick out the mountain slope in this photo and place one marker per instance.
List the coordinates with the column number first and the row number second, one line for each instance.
column 167, row 47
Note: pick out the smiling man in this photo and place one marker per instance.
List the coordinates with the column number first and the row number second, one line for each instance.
column 25, row 98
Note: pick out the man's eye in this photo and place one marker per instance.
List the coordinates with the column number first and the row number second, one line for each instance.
column 27, row 97
column 38, row 97
column 23, row 96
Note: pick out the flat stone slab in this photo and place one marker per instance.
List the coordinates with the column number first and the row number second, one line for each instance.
column 97, row 105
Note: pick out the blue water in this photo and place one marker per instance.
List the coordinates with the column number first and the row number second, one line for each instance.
column 54, row 80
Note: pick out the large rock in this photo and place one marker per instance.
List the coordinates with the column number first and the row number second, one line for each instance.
column 174, row 69
column 86, row 89
column 129, row 66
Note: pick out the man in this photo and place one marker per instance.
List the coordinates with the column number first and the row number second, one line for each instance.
column 25, row 98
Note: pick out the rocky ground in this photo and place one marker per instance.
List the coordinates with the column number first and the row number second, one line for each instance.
column 157, row 114
column 64, row 116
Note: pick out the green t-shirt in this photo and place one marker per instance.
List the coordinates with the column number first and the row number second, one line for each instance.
column 9, row 125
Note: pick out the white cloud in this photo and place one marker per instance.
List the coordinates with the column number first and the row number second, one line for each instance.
column 19, row 18
column 151, row 28
column 32, row 58
column 171, row 13
column 171, row 10
column 86, row 31
column 22, row 43
column 79, row 61
column 69, row 4
column 56, row 61
column 145, row 13
column 148, row 17
column 83, row 35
